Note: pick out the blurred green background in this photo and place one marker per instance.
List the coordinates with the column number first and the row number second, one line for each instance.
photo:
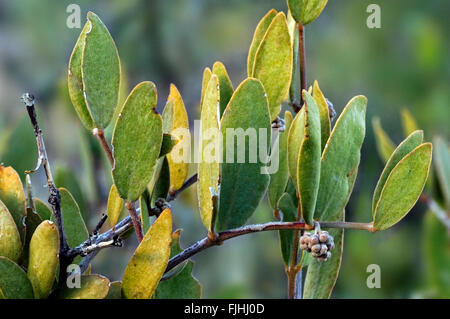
column 403, row 64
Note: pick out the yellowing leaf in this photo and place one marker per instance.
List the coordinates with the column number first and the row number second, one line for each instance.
column 205, row 80
column 325, row 122
column 149, row 261
column 208, row 167
column 13, row 196
column 137, row 142
column 279, row 179
column 92, row 287
column 14, row 283
column 114, row 207
column 226, row 87
column 10, row 244
column 306, row 11
column 273, row 63
column 403, row 187
column 308, row 168
column 247, row 113
column 340, row 160
column 385, row 146
column 43, row 258
column 259, row 34
column 100, row 68
column 405, row 147
column 176, row 117
column 408, row 122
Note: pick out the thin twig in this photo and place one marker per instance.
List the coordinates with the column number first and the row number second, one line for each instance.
column 54, row 197
column 187, row 183
column 135, row 220
column 100, row 135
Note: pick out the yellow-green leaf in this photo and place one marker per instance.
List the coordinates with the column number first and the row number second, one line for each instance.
column 10, row 244
column 100, row 68
column 385, row 146
column 149, row 261
column 259, row 34
column 244, row 179
column 402, row 187
column 295, row 139
column 114, row 207
column 340, row 159
column 408, row 122
column 273, row 63
column 14, row 283
column 175, row 117
column 308, row 167
column 208, row 167
column 75, row 81
column 321, row 276
column 43, row 258
column 226, row 87
column 405, row 147
column 13, row 196
column 295, row 87
column 279, row 179
column 137, row 142
column 205, row 80
column 325, row 122
column 306, row 11
column 92, row 287
column 442, row 164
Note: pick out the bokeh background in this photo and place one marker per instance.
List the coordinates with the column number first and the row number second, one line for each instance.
column 405, row 63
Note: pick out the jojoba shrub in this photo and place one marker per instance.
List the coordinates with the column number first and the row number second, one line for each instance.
column 304, row 162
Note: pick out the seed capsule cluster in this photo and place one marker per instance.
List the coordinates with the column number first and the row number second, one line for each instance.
column 319, row 244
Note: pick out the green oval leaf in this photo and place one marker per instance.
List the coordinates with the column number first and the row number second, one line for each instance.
column 42, row 209
column 115, row 290
column 75, row 81
column 74, row 226
column 114, row 206
column 168, row 143
column 149, row 261
column 405, row 147
column 442, row 164
column 321, row 277
column 273, row 63
column 226, row 87
column 306, row 11
column 402, row 187
column 14, row 283
column 289, row 214
column 259, row 34
column 308, row 168
column 10, row 244
column 92, row 287
column 208, row 167
column 325, row 122
column 279, row 179
column 244, row 179
column 295, row 139
column 13, row 196
column 100, row 68
column 385, row 146
column 340, row 159
column 177, row 124
column 137, row 142
column 43, row 259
